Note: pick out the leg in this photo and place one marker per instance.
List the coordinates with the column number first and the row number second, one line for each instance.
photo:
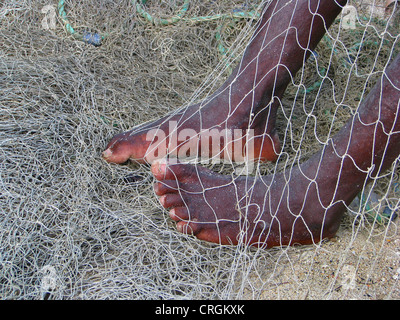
column 301, row 207
column 286, row 34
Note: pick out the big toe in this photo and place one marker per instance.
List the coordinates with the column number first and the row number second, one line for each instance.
column 172, row 169
column 120, row 149
column 159, row 169
column 114, row 155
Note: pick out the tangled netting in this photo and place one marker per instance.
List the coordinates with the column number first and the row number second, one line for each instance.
column 74, row 227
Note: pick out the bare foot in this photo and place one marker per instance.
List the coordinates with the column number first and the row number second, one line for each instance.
column 304, row 205
column 286, row 34
column 228, row 210
column 212, row 207
column 184, row 134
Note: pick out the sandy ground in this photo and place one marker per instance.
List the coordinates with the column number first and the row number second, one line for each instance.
column 350, row 267
column 71, row 227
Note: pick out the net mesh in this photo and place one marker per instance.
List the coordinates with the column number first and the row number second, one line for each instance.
column 73, row 226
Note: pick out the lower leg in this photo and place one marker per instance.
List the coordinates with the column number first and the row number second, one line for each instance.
column 286, row 34
column 303, row 207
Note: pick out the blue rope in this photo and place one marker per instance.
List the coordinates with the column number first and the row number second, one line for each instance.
column 88, row 37
column 92, row 38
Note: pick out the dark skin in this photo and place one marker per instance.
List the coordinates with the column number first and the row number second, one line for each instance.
column 249, row 98
column 304, row 204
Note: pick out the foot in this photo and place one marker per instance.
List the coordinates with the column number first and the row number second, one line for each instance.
column 287, row 32
column 200, row 131
column 301, row 205
column 264, row 212
column 206, row 205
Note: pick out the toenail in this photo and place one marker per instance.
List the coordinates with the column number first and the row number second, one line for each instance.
column 162, row 200
column 159, row 166
column 107, row 153
column 172, row 213
column 181, row 227
column 187, row 229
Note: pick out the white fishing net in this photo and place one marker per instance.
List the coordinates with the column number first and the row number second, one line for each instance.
column 74, row 227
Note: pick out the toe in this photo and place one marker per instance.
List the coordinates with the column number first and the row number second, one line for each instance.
column 159, row 168
column 188, row 227
column 107, row 154
column 170, row 169
column 118, row 151
column 171, row 200
column 179, row 214
column 127, row 146
column 166, row 186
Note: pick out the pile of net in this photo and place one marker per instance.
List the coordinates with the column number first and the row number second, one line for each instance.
column 74, row 227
